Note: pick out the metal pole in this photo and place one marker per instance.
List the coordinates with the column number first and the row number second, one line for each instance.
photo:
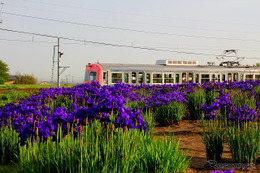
column 58, row 64
column 53, row 63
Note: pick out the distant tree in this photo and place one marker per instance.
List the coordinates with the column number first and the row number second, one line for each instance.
column 4, row 75
column 258, row 64
column 25, row 79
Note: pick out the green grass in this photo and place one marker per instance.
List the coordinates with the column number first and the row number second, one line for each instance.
column 8, row 169
column 12, row 97
column 29, row 86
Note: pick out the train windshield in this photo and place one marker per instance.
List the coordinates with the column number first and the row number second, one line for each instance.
column 90, row 76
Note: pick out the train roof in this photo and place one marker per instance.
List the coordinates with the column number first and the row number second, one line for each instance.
column 163, row 68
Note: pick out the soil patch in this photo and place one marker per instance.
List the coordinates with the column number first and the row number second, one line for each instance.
column 190, row 134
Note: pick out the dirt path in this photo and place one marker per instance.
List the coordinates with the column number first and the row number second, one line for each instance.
column 189, row 133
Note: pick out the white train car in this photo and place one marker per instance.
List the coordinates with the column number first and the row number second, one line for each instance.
column 169, row 72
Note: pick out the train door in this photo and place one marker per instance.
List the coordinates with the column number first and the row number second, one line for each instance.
column 140, row 77
column 126, row 78
column 148, row 78
column 235, row 77
column 190, row 77
column 105, row 77
column 229, row 77
column 223, row 77
column 93, row 73
column 133, row 77
column 183, row 77
column 177, row 78
column 197, row 78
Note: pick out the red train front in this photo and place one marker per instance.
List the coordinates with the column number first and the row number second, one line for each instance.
column 93, row 73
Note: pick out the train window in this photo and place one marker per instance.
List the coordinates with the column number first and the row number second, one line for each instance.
column 92, row 76
column 218, row 79
column 87, row 76
column 183, row 77
column 257, row 77
column 168, row 78
column 148, row 78
column 157, row 78
column 197, row 78
column 229, row 77
column 116, row 77
column 241, row 77
column 126, row 78
column 190, row 77
column 133, row 77
column 204, row 78
column 177, row 78
column 105, row 78
column 249, row 77
column 223, row 77
column 141, row 77
column 235, row 77
column 213, row 77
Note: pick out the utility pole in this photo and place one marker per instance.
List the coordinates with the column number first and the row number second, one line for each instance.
column 53, row 63
column 58, row 64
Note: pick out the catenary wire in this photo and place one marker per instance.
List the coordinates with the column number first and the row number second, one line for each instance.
column 112, row 44
column 131, row 30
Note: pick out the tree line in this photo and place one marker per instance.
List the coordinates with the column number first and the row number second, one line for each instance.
column 19, row 78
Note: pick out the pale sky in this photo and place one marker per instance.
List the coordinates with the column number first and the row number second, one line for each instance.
column 180, row 29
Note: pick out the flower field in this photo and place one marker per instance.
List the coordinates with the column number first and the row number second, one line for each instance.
column 94, row 128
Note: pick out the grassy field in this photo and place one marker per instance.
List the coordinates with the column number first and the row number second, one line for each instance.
column 15, row 86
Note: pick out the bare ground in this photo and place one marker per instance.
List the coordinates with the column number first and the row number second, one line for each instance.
column 189, row 133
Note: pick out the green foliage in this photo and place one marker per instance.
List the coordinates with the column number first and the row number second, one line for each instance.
column 257, row 90
column 161, row 155
column 167, row 114
column 196, row 99
column 12, row 97
column 211, row 96
column 213, row 138
column 4, row 75
column 244, row 142
column 101, row 148
column 9, row 147
column 25, row 79
column 240, row 99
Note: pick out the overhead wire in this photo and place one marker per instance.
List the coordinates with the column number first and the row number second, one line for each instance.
column 130, row 30
column 111, row 44
column 135, row 14
column 143, row 23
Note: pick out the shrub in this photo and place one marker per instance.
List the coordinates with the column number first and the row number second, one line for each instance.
column 25, row 79
column 244, row 142
column 213, row 138
column 196, row 99
column 166, row 114
column 9, row 147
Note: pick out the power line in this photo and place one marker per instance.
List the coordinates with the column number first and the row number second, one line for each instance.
column 160, row 47
column 127, row 21
column 135, row 14
column 130, row 30
column 106, row 44
column 115, row 45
